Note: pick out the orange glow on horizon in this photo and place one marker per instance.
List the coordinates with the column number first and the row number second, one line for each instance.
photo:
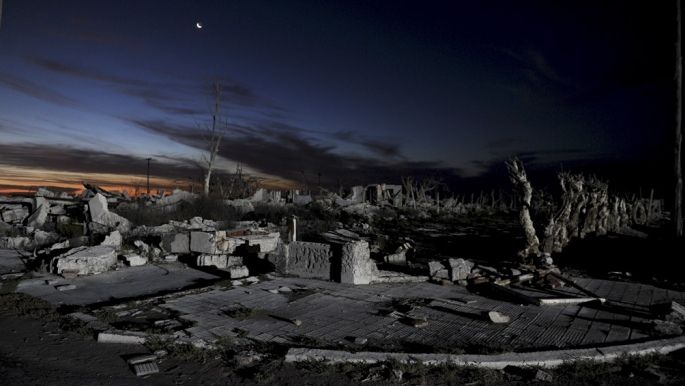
column 18, row 180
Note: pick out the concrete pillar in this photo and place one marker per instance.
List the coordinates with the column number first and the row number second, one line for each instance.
column 292, row 229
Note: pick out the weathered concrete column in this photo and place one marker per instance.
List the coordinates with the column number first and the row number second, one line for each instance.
column 292, row 229
column 357, row 266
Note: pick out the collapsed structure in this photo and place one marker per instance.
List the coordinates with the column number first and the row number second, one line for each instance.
column 289, row 272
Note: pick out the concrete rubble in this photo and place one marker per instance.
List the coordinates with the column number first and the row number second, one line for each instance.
column 85, row 260
column 100, row 214
column 254, row 260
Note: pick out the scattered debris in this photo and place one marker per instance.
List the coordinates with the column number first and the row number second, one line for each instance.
column 498, row 317
column 65, row 287
column 124, row 337
column 143, row 365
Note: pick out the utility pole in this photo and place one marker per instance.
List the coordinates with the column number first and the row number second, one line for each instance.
column 0, row 13
column 148, row 176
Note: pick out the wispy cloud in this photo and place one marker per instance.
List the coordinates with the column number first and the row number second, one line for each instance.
column 176, row 95
column 290, row 155
column 78, row 160
column 36, row 90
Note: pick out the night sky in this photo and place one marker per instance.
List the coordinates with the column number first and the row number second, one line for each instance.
column 356, row 91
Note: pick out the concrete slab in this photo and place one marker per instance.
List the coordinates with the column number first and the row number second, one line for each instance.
column 130, row 282
column 330, row 312
column 10, row 261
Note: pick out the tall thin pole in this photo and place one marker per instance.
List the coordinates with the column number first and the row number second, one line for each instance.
column 148, row 176
column 678, row 199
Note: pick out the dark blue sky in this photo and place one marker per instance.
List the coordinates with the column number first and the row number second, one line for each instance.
column 360, row 91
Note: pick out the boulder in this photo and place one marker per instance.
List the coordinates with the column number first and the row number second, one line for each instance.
column 85, row 260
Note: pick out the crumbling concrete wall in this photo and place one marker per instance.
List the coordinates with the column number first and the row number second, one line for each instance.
column 312, row 260
column 304, row 259
column 219, row 243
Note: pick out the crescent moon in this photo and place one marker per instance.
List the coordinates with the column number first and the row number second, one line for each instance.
column 198, row 25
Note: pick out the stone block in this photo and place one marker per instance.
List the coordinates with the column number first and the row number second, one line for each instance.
column 127, row 337
column 212, row 243
column 171, row 258
column 356, row 264
column 100, row 214
column 113, row 240
column 219, row 261
column 176, row 243
column 434, row 267
column 238, row 271
column 86, row 260
column 311, row 260
column 135, row 260
column 279, row 258
column 267, row 243
column 14, row 213
column 97, row 206
column 459, row 269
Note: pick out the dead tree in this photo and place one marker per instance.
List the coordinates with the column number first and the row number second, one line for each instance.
column 517, row 175
column 678, row 197
column 236, row 185
column 410, row 188
column 213, row 137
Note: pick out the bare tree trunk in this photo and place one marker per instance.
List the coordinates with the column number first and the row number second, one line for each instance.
column 517, row 175
column 214, row 139
column 678, row 199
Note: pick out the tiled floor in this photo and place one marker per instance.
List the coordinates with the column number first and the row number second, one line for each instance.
column 331, row 312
